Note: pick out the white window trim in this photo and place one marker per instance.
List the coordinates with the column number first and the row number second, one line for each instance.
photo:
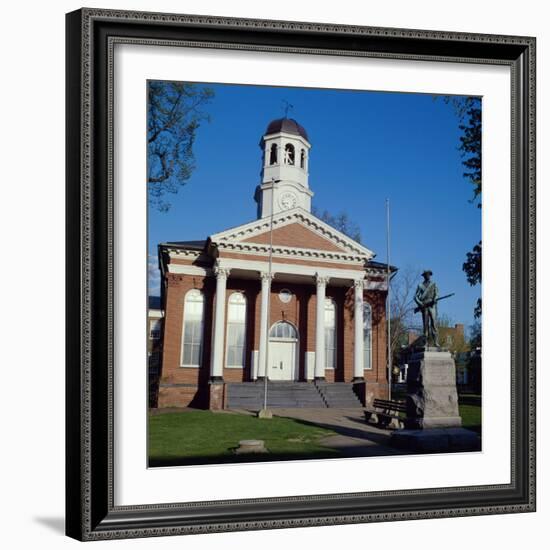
column 332, row 368
column 370, row 367
column 182, row 364
column 227, row 365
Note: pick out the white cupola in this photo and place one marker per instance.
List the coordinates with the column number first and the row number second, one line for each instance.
column 284, row 186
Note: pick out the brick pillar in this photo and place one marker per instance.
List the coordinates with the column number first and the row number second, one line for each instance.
column 216, row 398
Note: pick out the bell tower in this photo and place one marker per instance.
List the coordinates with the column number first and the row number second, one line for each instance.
column 284, row 186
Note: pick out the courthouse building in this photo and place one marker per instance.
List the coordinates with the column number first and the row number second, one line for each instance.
column 285, row 296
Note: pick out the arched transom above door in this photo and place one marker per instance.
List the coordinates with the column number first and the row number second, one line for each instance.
column 283, row 330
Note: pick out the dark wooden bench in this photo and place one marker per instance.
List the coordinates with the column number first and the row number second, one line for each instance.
column 387, row 413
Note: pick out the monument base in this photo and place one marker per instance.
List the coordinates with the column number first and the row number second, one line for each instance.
column 436, row 440
column 432, row 422
column 432, row 399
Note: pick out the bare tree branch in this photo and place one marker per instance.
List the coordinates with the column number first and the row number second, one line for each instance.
column 173, row 117
column 402, row 286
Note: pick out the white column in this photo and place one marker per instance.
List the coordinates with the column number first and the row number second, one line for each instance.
column 264, row 312
column 216, row 365
column 358, row 349
column 321, row 281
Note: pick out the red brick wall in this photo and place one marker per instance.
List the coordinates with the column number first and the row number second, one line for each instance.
column 184, row 386
column 377, row 379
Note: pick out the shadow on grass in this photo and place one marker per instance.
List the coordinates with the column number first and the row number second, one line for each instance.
column 158, row 462
column 348, row 431
column 382, row 440
column 470, row 399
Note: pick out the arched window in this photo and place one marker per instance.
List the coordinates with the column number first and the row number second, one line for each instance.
column 236, row 330
column 273, row 154
column 367, row 336
column 330, row 334
column 303, row 159
column 289, row 154
column 193, row 329
column 283, row 329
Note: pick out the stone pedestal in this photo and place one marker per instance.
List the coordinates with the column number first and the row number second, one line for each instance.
column 432, row 399
column 433, row 420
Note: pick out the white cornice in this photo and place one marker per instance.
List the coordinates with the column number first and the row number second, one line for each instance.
column 178, row 252
column 296, row 215
column 287, row 135
column 180, row 269
column 376, row 271
column 240, row 247
column 376, row 285
column 287, row 183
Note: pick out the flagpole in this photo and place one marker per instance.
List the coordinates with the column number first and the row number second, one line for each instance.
column 270, row 271
column 388, row 301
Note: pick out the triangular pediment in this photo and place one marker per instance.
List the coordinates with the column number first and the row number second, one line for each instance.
column 293, row 229
column 296, row 235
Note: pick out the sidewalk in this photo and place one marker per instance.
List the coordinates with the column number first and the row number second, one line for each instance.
column 355, row 437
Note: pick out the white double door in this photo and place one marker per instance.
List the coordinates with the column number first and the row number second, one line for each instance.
column 282, row 360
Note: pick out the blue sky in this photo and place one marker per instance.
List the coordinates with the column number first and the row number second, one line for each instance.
column 366, row 147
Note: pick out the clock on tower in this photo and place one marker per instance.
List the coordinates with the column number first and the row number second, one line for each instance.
column 287, row 200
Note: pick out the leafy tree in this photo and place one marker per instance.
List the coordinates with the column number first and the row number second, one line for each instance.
column 475, row 335
column 468, row 109
column 341, row 222
column 472, row 268
column 470, row 143
column 174, row 113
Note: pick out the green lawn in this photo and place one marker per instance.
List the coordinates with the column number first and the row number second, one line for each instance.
column 202, row 437
column 470, row 411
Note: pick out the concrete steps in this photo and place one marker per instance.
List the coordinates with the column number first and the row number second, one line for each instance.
column 338, row 395
column 250, row 395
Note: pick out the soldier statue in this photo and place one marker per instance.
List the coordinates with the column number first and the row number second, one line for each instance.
column 426, row 298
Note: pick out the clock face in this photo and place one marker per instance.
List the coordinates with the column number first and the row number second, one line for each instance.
column 288, row 200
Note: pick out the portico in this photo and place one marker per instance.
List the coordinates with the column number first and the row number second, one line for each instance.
column 306, row 276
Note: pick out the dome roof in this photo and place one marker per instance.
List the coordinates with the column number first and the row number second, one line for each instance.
column 288, row 125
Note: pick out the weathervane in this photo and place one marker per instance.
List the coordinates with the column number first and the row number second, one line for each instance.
column 287, row 107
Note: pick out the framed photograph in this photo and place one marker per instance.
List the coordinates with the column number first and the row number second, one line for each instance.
column 277, row 310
